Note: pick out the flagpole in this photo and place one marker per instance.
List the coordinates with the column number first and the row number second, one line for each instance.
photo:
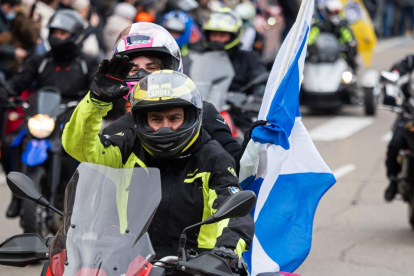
column 285, row 64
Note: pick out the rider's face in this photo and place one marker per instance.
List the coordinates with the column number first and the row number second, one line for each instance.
column 145, row 63
column 61, row 34
column 221, row 37
column 172, row 118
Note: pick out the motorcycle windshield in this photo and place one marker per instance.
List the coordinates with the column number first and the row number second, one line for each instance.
column 106, row 215
column 329, row 49
column 44, row 102
column 212, row 72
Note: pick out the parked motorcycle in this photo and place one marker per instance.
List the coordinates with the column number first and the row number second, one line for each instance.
column 37, row 152
column 328, row 82
column 394, row 100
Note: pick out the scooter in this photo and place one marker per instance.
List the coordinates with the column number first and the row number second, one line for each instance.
column 395, row 101
column 37, row 152
column 105, row 224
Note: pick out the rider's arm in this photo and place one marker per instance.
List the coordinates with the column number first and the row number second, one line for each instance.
column 81, row 140
column 27, row 75
column 217, row 128
column 236, row 234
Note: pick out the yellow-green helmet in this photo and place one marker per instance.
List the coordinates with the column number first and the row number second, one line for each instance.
column 163, row 90
column 223, row 20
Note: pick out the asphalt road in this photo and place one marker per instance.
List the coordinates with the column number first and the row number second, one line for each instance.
column 355, row 231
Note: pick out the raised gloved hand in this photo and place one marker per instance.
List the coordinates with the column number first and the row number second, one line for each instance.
column 106, row 84
column 226, row 253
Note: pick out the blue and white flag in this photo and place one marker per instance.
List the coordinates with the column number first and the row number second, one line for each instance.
column 282, row 165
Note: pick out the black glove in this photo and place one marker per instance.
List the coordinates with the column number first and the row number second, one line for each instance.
column 229, row 255
column 106, row 84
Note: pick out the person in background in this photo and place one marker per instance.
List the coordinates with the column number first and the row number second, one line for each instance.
column 94, row 42
column 223, row 31
column 64, row 67
column 407, row 12
column 8, row 53
column 330, row 21
column 182, row 28
column 252, row 39
column 25, row 35
column 388, row 20
column 123, row 17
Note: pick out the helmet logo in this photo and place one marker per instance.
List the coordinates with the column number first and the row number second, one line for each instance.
column 160, row 93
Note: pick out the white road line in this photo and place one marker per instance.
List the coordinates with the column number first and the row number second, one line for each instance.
column 392, row 43
column 339, row 128
column 386, row 137
column 344, row 170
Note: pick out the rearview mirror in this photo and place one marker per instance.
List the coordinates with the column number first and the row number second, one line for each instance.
column 23, row 187
column 22, row 250
column 237, row 205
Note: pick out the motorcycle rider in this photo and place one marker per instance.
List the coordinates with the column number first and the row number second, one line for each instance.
column 163, row 53
column 183, row 28
column 330, row 21
column 197, row 174
column 223, row 31
column 398, row 142
column 64, row 64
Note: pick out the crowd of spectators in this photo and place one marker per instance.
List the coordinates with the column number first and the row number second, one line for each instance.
column 24, row 31
column 392, row 17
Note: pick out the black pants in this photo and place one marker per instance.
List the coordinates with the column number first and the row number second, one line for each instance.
column 397, row 143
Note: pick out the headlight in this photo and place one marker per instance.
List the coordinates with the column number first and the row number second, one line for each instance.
column 347, row 77
column 41, row 126
column 302, row 79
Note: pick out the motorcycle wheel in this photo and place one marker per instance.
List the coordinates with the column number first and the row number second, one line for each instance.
column 32, row 215
column 411, row 213
column 370, row 102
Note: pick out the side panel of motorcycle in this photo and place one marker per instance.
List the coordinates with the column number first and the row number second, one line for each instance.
column 36, row 152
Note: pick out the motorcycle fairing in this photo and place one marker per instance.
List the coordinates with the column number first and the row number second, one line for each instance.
column 19, row 138
column 36, row 152
column 323, row 77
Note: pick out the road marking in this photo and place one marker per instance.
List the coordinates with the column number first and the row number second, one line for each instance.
column 386, row 137
column 392, row 43
column 339, row 128
column 343, row 170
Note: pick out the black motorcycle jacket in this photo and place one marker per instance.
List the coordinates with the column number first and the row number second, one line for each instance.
column 73, row 76
column 247, row 66
column 213, row 123
column 193, row 185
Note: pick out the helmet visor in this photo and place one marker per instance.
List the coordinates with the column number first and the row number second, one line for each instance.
column 164, row 88
column 223, row 22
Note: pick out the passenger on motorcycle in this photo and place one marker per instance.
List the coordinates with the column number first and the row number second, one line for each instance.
column 197, row 174
column 162, row 53
column 223, row 31
column 329, row 20
column 183, row 28
column 64, row 64
column 398, row 142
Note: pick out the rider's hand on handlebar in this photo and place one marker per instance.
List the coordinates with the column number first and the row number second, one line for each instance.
column 106, row 84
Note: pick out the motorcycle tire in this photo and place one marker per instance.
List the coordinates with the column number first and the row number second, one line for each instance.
column 411, row 213
column 32, row 215
column 370, row 102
